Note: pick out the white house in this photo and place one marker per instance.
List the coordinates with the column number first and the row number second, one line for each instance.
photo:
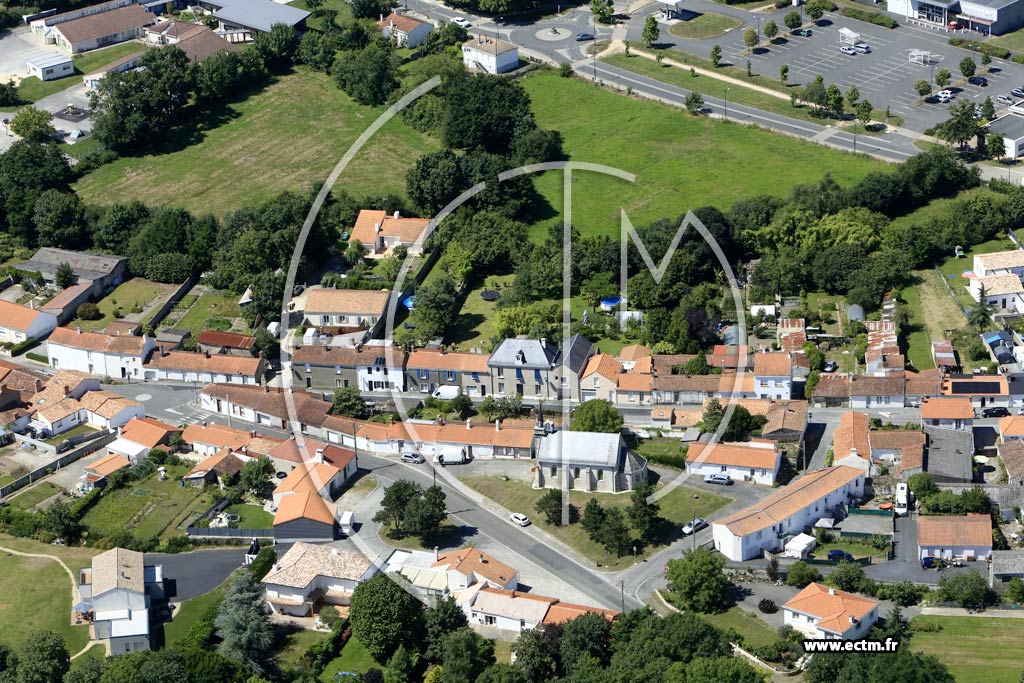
column 757, row 461
column 468, row 566
column 119, row 356
column 588, row 461
column 823, row 612
column 492, row 55
column 1005, row 292
column 73, row 398
column 21, row 323
column 967, row 536
column 406, row 31
column 310, row 574
column 265, row 406
column 773, row 375
column 183, row 366
column 953, row 412
column 50, row 67
column 345, row 311
column 1009, row 262
column 746, row 534
column 116, row 591
column 81, row 30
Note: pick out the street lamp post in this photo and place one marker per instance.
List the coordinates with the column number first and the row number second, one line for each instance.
column 726, row 98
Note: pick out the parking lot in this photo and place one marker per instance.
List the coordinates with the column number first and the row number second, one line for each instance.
column 885, row 76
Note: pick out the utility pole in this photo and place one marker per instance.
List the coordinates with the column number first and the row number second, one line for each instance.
column 622, row 595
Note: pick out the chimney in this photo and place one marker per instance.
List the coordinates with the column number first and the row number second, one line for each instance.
column 79, row 329
column 207, row 354
column 245, row 450
column 266, row 389
column 376, row 227
column 319, row 455
column 831, row 591
column 39, row 385
column 67, row 390
column 382, row 16
column 252, row 433
column 396, row 215
column 469, row 423
column 497, row 425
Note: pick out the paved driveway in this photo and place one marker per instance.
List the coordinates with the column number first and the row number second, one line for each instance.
column 189, row 575
column 907, row 566
column 15, row 47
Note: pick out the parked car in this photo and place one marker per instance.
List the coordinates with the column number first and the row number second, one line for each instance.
column 831, row 366
column 413, row 458
column 839, row 556
column 847, row 50
column 1005, row 99
column 695, row 526
column 944, row 95
column 580, row 37
column 978, row 80
column 281, row 475
column 977, row 113
column 863, row 48
column 959, row 561
column 459, row 21
column 1017, row 92
column 995, row 412
column 805, row 32
column 933, row 563
column 520, row 519
column 720, row 478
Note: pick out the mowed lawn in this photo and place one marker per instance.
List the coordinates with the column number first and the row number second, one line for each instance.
column 976, row 649
column 130, row 298
column 287, row 137
column 681, row 162
column 209, row 312
column 30, row 497
column 678, row 507
column 35, row 594
column 146, row 508
column 755, row 632
column 353, row 658
column 251, row 516
column 188, row 613
column 705, row 25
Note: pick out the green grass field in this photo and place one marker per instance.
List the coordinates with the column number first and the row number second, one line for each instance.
column 953, row 268
column 75, row 557
column 130, row 298
column 188, row 613
column 354, row 658
column 35, row 594
column 77, row 431
column 292, row 646
column 662, row 446
column 502, row 652
column 252, row 516
column 755, row 632
column 919, row 342
column 1011, row 41
column 32, row 89
column 705, row 26
column 29, row 498
column 148, row 507
column 678, row 507
column 287, row 137
column 210, row 311
column 976, row 649
column 343, row 8
column 681, row 162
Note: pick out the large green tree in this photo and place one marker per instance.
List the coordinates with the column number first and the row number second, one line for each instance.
column 43, row 659
column 597, row 415
column 696, row 581
column 33, row 124
column 384, row 616
column 369, row 76
column 243, row 626
column 443, row 618
column 397, row 499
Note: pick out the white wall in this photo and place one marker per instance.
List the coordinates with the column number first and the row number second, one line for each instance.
column 98, row 363
column 948, row 553
column 759, row 476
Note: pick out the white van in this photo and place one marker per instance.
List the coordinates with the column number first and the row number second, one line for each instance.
column 447, row 392
column 901, row 503
column 451, row 458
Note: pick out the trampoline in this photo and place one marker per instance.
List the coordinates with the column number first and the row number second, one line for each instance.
column 490, row 295
column 409, row 302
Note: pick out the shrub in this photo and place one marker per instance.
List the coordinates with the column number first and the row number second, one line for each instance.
column 1019, row 59
column 767, row 606
column 177, row 544
column 984, row 48
column 800, row 574
column 89, row 311
column 870, row 17
column 925, row 626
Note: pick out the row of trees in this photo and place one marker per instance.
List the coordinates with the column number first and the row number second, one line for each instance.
column 409, row 510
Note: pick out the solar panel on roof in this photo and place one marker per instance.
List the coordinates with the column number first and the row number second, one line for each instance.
column 975, row 388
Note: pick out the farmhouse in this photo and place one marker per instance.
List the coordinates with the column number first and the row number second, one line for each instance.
column 982, row 390
column 871, row 392
column 588, row 461
column 468, row 566
column 116, row 591
column 21, row 323
column 746, row 534
column 967, row 536
column 291, row 452
column 315, row 477
column 428, row 369
column 490, row 55
column 309, row 576
column 406, row 31
column 823, row 612
column 347, row 311
column 229, row 343
column 65, row 305
column 208, row 439
column 757, row 461
column 96, row 353
column 73, row 398
column 1004, row 293
column 600, row 377
column 183, row 366
column 514, row 611
column 381, row 232
column 368, row 368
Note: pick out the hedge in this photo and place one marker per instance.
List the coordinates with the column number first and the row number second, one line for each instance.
column 37, row 358
column 870, row 17
column 319, row 655
column 984, row 48
column 20, row 348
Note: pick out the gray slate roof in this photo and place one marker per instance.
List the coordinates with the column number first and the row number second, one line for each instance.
column 950, row 453
column 258, row 14
column 529, row 354
column 1007, row 562
column 580, row 349
column 582, row 449
column 86, row 266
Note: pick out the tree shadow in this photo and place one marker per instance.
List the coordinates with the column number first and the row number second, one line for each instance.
column 465, row 327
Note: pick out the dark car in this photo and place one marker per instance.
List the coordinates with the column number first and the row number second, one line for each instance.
column 995, row 412
column 839, row 556
column 978, row 80
column 805, row 32
column 933, row 563
column 580, row 37
column 298, row 289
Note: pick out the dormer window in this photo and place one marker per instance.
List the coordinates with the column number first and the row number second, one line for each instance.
column 520, row 357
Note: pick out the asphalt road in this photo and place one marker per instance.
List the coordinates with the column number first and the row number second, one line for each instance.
column 188, row 575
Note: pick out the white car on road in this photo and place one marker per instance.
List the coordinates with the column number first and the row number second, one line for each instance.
column 520, row 519
column 695, row 526
column 459, row 21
